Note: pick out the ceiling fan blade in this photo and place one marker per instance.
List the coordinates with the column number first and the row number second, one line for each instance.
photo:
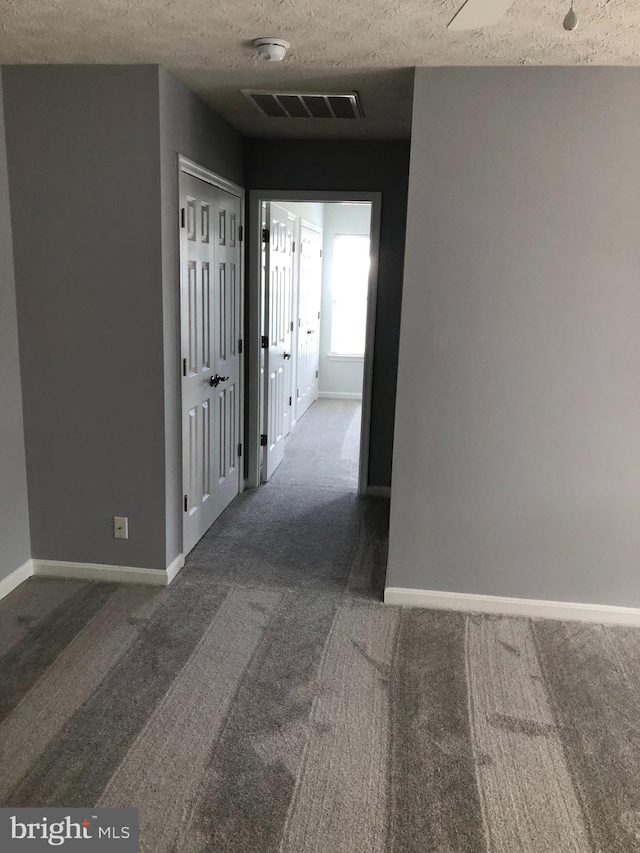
column 475, row 14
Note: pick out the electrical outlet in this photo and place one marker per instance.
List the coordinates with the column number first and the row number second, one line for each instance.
column 120, row 527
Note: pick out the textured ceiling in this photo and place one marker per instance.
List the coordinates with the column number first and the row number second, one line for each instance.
column 364, row 45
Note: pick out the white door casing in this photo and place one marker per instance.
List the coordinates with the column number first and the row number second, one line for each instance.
column 259, row 199
column 264, row 254
column 309, row 296
column 278, row 278
column 211, row 317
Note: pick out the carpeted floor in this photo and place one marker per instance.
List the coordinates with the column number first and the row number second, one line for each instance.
column 267, row 701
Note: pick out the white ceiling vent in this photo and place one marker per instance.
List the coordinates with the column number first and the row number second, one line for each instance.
column 301, row 105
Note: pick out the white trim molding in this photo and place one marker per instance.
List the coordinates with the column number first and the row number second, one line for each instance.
column 174, row 568
column 339, row 395
column 198, row 171
column 18, row 576
column 379, row 491
column 339, row 356
column 89, row 571
column 97, row 572
column 532, row 607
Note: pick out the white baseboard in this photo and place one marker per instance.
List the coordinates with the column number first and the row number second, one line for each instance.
column 379, row 491
column 531, row 607
column 338, row 395
column 174, row 568
column 16, row 577
column 96, row 572
column 89, row 571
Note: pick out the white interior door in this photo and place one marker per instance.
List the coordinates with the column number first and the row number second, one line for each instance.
column 278, row 325
column 310, row 287
column 211, row 315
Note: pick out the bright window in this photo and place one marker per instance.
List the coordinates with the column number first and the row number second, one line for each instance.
column 349, row 284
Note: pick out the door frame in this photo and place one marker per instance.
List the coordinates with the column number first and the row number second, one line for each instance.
column 190, row 167
column 255, row 308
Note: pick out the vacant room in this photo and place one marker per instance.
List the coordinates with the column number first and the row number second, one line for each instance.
column 320, row 421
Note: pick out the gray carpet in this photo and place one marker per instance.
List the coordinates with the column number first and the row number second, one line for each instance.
column 267, row 701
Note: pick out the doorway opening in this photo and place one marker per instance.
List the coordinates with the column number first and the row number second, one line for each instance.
column 313, row 263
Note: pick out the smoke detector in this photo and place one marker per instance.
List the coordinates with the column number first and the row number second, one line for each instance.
column 271, row 49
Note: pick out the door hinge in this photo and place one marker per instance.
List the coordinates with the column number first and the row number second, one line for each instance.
column 184, row 366
column 318, row 315
column 291, row 326
column 266, row 236
column 263, row 441
column 291, row 401
column 241, row 233
column 186, row 507
column 320, row 252
column 239, row 450
column 297, row 393
column 182, row 218
column 316, row 374
column 293, row 246
column 240, row 344
column 264, row 342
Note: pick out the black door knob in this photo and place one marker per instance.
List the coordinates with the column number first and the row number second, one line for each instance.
column 217, row 379
column 287, row 355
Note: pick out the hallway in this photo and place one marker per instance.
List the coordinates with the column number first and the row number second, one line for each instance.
column 198, row 703
column 267, row 702
column 323, row 448
column 306, row 527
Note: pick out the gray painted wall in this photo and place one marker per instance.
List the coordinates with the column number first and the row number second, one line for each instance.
column 325, row 165
column 15, row 548
column 93, row 169
column 342, row 376
column 84, row 173
column 191, row 128
column 517, row 460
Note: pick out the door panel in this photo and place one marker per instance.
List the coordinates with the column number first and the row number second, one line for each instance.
column 278, row 282
column 210, row 327
column 227, row 357
column 308, row 354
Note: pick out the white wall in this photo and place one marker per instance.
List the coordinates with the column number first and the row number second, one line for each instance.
column 338, row 376
column 311, row 211
column 516, row 468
